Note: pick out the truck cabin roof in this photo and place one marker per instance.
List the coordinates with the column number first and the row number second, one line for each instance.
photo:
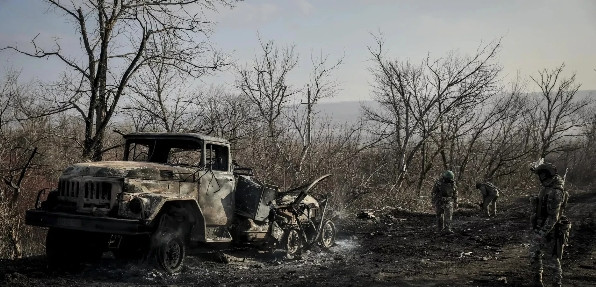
column 140, row 136
column 160, row 144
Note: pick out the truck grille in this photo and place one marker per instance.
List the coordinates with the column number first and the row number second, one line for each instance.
column 91, row 190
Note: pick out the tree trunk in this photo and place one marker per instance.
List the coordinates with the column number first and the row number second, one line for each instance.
column 15, row 239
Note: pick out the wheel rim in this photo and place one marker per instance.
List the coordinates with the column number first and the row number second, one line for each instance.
column 328, row 234
column 173, row 254
column 293, row 242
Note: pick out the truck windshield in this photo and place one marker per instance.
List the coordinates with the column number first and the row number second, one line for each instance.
column 174, row 152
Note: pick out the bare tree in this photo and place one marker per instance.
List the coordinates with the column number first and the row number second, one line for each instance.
column 161, row 100
column 466, row 127
column 8, row 96
column 559, row 110
column 590, row 129
column 321, row 85
column 116, row 37
column 19, row 135
column 418, row 100
column 337, row 149
column 265, row 83
column 507, row 143
column 226, row 115
column 581, row 161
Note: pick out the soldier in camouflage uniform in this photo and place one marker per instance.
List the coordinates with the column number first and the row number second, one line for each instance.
column 490, row 194
column 550, row 227
column 444, row 198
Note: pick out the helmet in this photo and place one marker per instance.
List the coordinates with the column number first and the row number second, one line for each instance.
column 448, row 175
column 547, row 168
column 478, row 184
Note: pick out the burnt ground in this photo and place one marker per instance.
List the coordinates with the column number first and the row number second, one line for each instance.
column 397, row 248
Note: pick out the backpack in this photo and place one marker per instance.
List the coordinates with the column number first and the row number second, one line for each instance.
column 493, row 188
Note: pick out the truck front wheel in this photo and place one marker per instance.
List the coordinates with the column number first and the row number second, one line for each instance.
column 170, row 254
column 132, row 247
column 66, row 249
column 168, row 243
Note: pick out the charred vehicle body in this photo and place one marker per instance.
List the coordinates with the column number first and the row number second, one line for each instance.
column 171, row 192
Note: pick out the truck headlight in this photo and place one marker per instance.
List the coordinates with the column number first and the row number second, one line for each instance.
column 136, row 205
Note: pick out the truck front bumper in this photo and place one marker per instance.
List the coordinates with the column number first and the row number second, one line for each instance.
column 89, row 223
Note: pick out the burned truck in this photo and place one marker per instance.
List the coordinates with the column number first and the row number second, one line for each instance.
column 171, row 192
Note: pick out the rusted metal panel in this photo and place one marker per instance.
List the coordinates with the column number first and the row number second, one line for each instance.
column 131, row 169
column 253, row 199
column 216, row 197
column 85, row 222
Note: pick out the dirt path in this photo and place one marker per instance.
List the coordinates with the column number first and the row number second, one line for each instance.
column 395, row 249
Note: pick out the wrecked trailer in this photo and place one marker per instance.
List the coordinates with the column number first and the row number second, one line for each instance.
column 292, row 219
column 173, row 191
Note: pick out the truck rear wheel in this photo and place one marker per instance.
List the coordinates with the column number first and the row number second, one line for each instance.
column 292, row 242
column 327, row 236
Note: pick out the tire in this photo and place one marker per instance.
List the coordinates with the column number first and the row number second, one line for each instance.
column 67, row 249
column 91, row 245
column 170, row 254
column 168, row 242
column 62, row 250
column 292, row 242
column 327, row 236
column 132, row 248
column 92, row 253
column 55, row 247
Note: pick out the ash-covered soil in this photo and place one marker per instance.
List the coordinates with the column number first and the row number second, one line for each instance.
column 396, row 248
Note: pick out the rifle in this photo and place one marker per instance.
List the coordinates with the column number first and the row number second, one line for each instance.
column 565, row 176
column 562, row 229
column 535, row 203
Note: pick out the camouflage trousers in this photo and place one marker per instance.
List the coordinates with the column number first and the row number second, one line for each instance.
column 545, row 250
column 444, row 209
column 490, row 202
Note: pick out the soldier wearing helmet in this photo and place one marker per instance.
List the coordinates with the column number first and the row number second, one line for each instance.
column 444, row 198
column 490, row 194
column 550, row 227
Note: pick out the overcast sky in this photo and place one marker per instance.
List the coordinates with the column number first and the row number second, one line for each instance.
column 535, row 34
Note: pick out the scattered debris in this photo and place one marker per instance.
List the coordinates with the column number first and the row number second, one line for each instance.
column 366, row 214
column 368, row 253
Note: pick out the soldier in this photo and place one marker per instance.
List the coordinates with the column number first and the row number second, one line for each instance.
column 490, row 194
column 444, row 198
column 550, row 228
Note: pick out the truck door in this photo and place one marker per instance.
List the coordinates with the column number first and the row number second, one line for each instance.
column 216, row 196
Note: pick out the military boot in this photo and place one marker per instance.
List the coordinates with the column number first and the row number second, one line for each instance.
column 537, row 281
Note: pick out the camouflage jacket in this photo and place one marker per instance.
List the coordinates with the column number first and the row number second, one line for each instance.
column 443, row 189
column 488, row 189
column 550, row 205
